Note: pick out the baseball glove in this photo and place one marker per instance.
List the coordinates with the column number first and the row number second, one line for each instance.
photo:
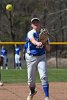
column 1, row 61
column 43, row 36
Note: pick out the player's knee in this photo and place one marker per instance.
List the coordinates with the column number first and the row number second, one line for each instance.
column 7, row 60
column 20, row 59
column 44, row 80
column 31, row 84
column 16, row 64
column 19, row 64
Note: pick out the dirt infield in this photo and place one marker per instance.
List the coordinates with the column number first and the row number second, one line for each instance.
column 58, row 91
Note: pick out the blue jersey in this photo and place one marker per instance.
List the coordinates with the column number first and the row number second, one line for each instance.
column 30, row 47
column 17, row 50
column 3, row 52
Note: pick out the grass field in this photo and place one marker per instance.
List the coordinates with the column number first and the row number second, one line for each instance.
column 20, row 76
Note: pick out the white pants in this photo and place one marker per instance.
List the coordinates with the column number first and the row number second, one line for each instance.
column 4, row 60
column 34, row 63
column 17, row 59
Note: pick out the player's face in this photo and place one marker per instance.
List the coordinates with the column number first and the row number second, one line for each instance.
column 36, row 25
column 2, row 47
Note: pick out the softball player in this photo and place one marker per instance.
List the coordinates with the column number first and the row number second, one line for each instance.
column 5, row 59
column 18, row 57
column 36, row 59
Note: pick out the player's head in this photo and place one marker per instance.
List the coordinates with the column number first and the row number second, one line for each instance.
column 3, row 47
column 15, row 45
column 35, row 23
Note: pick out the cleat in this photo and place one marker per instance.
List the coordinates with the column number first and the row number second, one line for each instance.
column 20, row 68
column 6, row 68
column 1, row 67
column 16, row 68
column 47, row 98
column 30, row 96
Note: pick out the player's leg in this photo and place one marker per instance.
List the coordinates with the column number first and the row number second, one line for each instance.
column 31, row 80
column 31, row 76
column 19, row 62
column 20, row 65
column 43, row 76
column 1, row 62
column 31, row 70
column 16, row 61
column 6, row 61
column 16, row 65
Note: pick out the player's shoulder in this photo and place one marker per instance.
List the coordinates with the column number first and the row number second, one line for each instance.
column 32, row 31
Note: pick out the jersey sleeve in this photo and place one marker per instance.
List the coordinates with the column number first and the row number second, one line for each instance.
column 30, row 34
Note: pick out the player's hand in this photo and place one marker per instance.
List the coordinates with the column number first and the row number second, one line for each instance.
column 39, row 44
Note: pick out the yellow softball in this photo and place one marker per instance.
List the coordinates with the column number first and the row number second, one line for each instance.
column 9, row 7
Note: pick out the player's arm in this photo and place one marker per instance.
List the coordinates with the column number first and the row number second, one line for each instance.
column 6, row 52
column 19, row 52
column 35, row 42
column 32, row 39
